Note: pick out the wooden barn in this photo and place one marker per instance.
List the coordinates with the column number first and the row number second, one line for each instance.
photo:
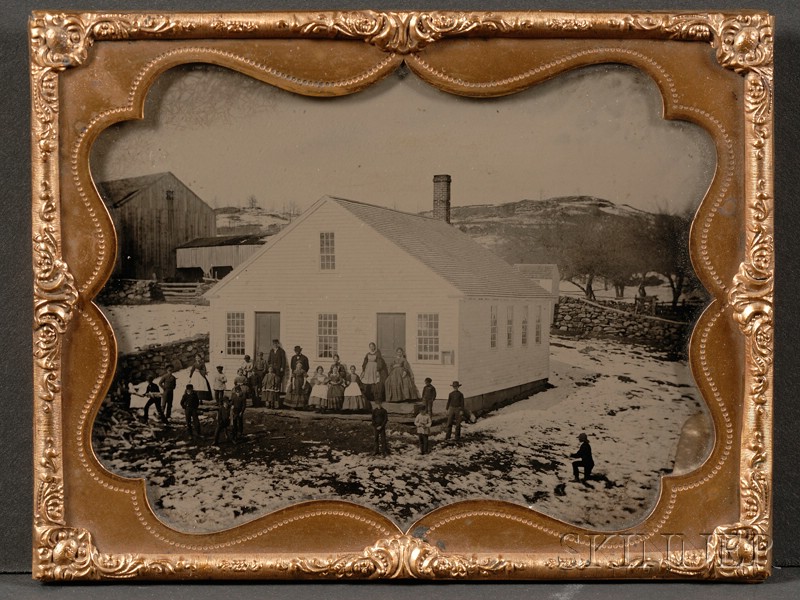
column 215, row 257
column 346, row 273
column 153, row 215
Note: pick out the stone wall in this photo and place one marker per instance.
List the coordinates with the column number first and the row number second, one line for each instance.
column 130, row 291
column 154, row 359
column 579, row 317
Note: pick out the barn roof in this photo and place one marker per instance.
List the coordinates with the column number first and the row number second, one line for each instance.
column 118, row 191
column 226, row 240
column 449, row 252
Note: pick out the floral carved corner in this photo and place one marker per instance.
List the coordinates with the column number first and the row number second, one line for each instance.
column 68, row 553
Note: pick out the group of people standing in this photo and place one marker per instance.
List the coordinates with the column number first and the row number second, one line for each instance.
column 276, row 382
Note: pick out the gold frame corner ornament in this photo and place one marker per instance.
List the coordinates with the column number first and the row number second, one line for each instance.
column 60, row 41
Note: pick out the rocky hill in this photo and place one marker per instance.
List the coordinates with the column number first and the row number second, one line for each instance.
column 515, row 230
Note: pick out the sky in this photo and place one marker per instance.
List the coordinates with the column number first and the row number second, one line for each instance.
column 595, row 131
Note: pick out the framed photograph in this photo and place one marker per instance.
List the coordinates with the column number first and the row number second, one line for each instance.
column 370, row 295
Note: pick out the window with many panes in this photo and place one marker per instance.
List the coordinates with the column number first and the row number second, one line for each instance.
column 327, row 254
column 525, row 325
column 493, row 327
column 510, row 326
column 234, row 333
column 428, row 336
column 539, row 324
column 327, row 335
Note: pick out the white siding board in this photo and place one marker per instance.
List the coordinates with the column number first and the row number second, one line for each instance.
column 483, row 369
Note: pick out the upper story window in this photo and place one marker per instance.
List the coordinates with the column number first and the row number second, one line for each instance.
column 327, row 251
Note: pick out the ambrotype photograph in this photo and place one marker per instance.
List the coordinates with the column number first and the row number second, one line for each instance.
column 403, row 298
column 435, row 295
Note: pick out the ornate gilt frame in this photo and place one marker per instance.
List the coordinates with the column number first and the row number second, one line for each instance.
column 90, row 524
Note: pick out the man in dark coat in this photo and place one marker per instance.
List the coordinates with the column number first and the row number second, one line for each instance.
column 190, row 403
column 455, row 411
column 299, row 357
column 277, row 360
column 584, row 453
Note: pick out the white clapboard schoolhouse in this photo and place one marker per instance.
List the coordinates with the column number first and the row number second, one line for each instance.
column 344, row 274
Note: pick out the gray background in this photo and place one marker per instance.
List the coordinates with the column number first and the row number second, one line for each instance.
column 15, row 295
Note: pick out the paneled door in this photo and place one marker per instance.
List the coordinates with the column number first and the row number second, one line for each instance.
column 391, row 334
column 268, row 328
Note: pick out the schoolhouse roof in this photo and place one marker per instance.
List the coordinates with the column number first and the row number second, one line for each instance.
column 449, row 252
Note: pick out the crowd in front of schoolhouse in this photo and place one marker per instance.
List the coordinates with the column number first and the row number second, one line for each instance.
column 276, row 382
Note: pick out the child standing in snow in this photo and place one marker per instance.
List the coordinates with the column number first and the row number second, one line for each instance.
column 379, row 420
column 223, row 420
column 429, row 395
column 423, row 423
column 238, row 400
column 190, row 403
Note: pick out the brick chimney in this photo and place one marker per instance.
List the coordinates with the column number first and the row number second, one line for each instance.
column 441, row 197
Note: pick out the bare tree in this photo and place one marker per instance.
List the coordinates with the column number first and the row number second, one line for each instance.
column 670, row 238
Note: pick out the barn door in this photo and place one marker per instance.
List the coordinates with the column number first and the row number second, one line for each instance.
column 268, row 328
column 391, row 333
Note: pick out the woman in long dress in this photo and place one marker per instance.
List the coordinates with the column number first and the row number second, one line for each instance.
column 295, row 392
column 337, row 381
column 400, row 386
column 373, row 374
column 353, row 394
column 319, row 390
column 198, row 377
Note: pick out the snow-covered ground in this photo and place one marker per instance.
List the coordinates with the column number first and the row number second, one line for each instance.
column 630, row 401
column 139, row 326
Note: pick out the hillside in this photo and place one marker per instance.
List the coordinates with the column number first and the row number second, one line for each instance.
column 515, row 230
